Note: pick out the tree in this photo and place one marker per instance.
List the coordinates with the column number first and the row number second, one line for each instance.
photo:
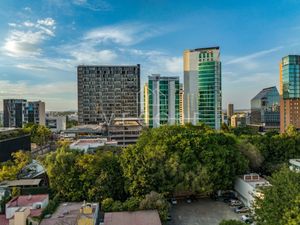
column 40, row 134
column 192, row 159
column 291, row 215
column 156, row 201
column 231, row 222
column 63, row 174
column 252, row 153
column 10, row 169
column 278, row 205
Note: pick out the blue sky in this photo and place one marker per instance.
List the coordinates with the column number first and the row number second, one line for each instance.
column 43, row 41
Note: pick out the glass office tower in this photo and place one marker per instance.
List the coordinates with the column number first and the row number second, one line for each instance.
column 289, row 92
column 265, row 108
column 161, row 101
column 202, row 87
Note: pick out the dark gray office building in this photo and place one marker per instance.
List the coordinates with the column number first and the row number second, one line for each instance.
column 14, row 112
column 106, row 92
column 265, row 109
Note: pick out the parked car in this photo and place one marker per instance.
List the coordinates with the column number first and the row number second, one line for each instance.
column 235, row 203
column 247, row 219
column 188, row 200
column 173, row 201
column 241, row 209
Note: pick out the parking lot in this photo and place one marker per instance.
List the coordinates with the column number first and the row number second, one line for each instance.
column 201, row 212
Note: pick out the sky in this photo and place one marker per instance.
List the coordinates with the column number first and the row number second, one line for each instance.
column 42, row 42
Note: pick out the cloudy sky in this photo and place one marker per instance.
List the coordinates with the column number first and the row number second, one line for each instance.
column 42, row 42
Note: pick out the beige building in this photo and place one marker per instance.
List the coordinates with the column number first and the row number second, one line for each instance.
column 74, row 213
column 238, row 120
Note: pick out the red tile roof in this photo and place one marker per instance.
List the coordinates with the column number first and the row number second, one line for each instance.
column 3, row 220
column 26, row 200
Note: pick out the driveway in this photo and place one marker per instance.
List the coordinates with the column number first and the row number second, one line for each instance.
column 201, row 212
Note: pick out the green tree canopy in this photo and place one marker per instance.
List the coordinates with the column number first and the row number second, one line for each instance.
column 280, row 200
column 182, row 159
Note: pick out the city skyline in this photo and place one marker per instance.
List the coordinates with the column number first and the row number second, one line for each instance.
column 42, row 43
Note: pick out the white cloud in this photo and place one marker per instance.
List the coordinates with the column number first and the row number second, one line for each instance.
column 12, row 24
column 94, row 5
column 25, row 39
column 47, row 22
column 28, row 24
column 51, row 93
column 27, row 9
column 124, row 34
column 252, row 56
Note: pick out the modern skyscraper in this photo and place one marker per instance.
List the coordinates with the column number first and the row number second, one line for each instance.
column 202, row 87
column 14, row 112
column 146, row 104
column 265, row 108
column 181, row 104
column 35, row 113
column 289, row 92
column 106, row 92
column 230, row 111
column 163, row 100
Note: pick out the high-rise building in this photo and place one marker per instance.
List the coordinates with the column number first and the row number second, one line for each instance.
column 106, row 92
column 202, row 87
column 14, row 112
column 265, row 108
column 146, row 104
column 230, row 111
column 289, row 92
column 35, row 113
column 181, row 104
column 163, row 100
column 18, row 112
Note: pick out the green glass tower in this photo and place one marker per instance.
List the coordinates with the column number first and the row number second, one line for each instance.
column 162, row 101
column 203, row 87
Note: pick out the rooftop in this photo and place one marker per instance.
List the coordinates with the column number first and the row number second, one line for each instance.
column 21, row 182
column 26, row 200
column 207, row 48
column 264, row 92
column 254, row 180
column 66, row 213
column 295, row 162
column 147, row 217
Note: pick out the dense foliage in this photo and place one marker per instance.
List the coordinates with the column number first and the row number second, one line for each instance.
column 10, row 169
column 272, row 150
column 40, row 134
column 280, row 204
column 182, row 159
column 76, row 176
column 13, row 133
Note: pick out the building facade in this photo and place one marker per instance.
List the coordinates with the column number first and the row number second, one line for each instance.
column 230, row 112
column 265, row 108
column 162, row 101
column 56, row 123
column 14, row 112
column 289, row 92
column 238, row 120
column 35, row 113
column 18, row 112
column 105, row 92
column 181, row 104
column 203, row 87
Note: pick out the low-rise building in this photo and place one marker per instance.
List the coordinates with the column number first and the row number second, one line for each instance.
column 295, row 165
column 89, row 145
column 238, row 120
column 124, row 131
column 248, row 187
column 22, row 209
column 56, row 123
column 145, row 217
column 12, row 140
column 74, row 213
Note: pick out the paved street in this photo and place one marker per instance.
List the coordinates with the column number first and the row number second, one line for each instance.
column 201, row 212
